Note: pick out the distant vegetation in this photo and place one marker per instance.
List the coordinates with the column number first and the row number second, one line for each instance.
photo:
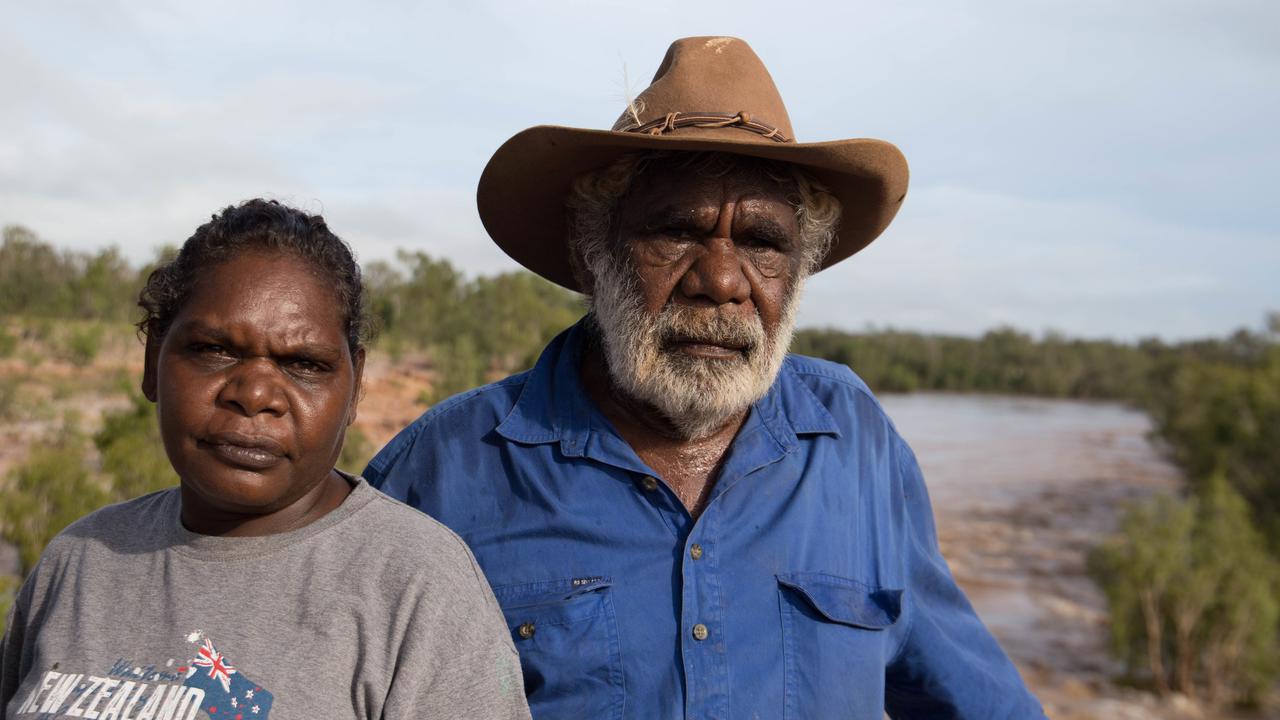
column 474, row 329
column 1193, row 581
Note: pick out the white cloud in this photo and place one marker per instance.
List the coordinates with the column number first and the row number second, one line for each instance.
column 1096, row 167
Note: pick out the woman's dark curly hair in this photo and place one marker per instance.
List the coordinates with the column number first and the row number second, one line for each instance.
column 255, row 225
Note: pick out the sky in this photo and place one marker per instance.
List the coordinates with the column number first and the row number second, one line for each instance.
column 1089, row 167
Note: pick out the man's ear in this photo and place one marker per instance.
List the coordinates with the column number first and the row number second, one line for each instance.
column 152, row 359
column 586, row 281
column 357, row 364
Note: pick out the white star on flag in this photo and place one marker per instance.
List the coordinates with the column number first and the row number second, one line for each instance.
column 248, row 694
column 234, row 703
column 254, row 709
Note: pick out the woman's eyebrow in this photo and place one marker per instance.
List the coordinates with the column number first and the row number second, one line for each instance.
column 196, row 326
column 310, row 349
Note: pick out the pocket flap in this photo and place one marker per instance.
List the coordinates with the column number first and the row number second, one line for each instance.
column 550, row 591
column 845, row 601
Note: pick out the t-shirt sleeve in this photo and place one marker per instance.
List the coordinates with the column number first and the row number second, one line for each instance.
column 11, row 647
column 457, row 659
column 948, row 665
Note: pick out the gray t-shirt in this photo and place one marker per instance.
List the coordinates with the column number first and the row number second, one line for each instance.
column 373, row 611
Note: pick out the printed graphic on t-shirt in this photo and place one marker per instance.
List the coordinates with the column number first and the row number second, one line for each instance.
column 207, row 686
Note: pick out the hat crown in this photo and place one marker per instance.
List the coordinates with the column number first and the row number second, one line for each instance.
column 717, row 75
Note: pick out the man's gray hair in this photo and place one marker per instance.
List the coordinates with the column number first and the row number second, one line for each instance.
column 593, row 202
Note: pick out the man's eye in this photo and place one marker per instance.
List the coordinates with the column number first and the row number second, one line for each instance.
column 209, row 349
column 759, row 242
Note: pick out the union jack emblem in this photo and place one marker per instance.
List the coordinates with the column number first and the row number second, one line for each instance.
column 219, row 668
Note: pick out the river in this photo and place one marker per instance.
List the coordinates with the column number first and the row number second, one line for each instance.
column 1021, row 489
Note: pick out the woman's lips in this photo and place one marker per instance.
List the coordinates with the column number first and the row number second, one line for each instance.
column 252, row 452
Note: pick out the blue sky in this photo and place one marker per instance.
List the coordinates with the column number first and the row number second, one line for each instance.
column 1096, row 168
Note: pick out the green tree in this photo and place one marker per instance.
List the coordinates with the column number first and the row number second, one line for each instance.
column 459, row 367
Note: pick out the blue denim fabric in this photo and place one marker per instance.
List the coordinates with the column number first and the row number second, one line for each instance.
column 819, row 580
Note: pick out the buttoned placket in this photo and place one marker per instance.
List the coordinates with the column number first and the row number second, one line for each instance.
column 704, row 647
column 765, row 438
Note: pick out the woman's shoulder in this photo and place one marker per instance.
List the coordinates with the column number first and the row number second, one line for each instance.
column 409, row 527
column 412, row 542
column 100, row 542
column 117, row 527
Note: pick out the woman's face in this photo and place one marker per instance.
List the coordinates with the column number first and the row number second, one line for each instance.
column 255, row 387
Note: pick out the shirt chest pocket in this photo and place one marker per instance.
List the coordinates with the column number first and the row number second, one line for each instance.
column 836, row 642
column 567, row 636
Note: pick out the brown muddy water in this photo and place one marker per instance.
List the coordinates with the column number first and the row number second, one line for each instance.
column 1022, row 489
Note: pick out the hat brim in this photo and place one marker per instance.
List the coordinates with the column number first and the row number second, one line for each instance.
column 522, row 191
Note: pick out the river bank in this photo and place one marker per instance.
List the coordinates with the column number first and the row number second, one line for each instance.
column 1022, row 488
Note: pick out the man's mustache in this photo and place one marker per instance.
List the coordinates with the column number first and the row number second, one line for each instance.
column 682, row 324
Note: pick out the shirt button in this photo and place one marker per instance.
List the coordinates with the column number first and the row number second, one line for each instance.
column 695, row 552
column 699, row 632
column 650, row 484
column 526, row 630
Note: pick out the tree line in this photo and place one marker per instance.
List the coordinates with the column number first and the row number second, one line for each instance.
column 1193, row 581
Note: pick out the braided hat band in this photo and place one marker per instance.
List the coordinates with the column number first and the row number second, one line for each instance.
column 674, row 120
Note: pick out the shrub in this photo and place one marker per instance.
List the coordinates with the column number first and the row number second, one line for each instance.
column 83, row 344
column 8, row 591
column 9, row 397
column 49, row 491
column 357, row 451
column 1193, row 596
column 8, row 343
column 132, row 452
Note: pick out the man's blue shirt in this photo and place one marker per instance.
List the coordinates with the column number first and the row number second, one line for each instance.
column 810, row 587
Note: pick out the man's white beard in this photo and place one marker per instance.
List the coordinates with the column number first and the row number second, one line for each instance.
column 698, row 396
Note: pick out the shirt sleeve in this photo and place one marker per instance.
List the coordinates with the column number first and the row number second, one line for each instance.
column 457, row 660
column 394, row 470
column 948, row 665
column 11, row 645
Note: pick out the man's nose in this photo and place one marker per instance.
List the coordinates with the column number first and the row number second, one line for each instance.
column 717, row 274
column 253, row 388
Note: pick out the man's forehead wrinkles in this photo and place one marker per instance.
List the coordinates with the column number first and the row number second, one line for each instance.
column 678, row 210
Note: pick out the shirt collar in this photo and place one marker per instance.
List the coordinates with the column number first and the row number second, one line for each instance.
column 554, row 406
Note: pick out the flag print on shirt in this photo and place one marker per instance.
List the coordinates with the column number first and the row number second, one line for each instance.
column 210, row 686
column 228, row 694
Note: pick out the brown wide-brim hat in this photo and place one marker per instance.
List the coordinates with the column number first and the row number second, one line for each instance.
column 710, row 94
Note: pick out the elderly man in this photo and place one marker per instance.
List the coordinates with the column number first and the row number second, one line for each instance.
column 679, row 519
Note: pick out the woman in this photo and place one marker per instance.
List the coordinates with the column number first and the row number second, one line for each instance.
column 268, row 584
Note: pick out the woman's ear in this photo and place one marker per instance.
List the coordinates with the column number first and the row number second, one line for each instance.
column 357, row 365
column 151, row 360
